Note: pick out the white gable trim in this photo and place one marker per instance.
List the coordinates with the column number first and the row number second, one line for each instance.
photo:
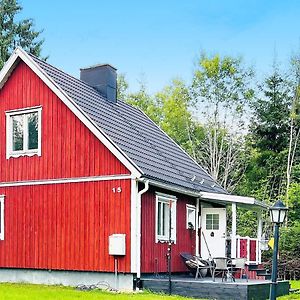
column 82, row 116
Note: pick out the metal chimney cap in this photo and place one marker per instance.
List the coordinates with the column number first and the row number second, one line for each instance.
column 97, row 66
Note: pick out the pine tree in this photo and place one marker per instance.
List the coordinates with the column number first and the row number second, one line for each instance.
column 15, row 33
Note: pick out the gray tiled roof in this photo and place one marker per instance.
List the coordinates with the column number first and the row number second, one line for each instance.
column 157, row 155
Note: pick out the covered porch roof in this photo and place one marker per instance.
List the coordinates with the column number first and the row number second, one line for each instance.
column 246, row 202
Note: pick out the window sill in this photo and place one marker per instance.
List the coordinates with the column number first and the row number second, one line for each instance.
column 164, row 240
column 189, row 228
column 23, row 153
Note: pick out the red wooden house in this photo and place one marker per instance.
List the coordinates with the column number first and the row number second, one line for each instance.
column 86, row 181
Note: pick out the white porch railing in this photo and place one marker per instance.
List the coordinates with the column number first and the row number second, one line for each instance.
column 248, row 248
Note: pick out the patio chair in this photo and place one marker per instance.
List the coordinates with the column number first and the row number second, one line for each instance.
column 239, row 264
column 220, row 267
column 196, row 265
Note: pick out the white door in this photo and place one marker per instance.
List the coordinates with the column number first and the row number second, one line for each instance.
column 213, row 235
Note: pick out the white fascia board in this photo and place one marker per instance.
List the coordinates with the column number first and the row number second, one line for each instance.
column 173, row 188
column 82, row 116
column 233, row 199
column 8, row 68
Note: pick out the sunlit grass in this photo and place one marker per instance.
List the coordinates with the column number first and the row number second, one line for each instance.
column 295, row 284
column 38, row 292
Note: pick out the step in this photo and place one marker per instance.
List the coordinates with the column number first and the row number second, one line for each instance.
column 294, row 291
column 253, row 267
column 262, row 272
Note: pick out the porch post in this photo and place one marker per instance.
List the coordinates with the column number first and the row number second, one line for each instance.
column 259, row 235
column 233, row 231
column 197, row 227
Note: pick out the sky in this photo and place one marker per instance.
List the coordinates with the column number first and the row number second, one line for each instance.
column 155, row 41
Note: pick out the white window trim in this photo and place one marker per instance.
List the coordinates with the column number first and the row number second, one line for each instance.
column 2, row 217
column 166, row 198
column 190, row 207
column 9, row 145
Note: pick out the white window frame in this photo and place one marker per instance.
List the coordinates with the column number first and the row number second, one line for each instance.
column 2, row 217
column 164, row 198
column 190, row 207
column 9, row 132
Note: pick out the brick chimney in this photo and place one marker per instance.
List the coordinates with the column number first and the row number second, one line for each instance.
column 103, row 78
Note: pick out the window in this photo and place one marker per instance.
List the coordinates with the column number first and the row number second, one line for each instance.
column 165, row 209
column 23, row 132
column 212, row 221
column 1, row 217
column 190, row 216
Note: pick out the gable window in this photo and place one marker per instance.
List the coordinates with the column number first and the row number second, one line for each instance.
column 23, row 132
column 190, row 216
column 1, row 217
column 212, row 221
column 165, row 213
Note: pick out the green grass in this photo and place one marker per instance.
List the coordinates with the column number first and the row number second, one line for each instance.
column 42, row 292
column 295, row 284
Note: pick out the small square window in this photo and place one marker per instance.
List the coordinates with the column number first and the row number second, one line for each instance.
column 23, row 132
column 212, row 221
column 190, row 216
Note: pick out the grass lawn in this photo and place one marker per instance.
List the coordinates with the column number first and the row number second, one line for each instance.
column 41, row 292
column 295, row 284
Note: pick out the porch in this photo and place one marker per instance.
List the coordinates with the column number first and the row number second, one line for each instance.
column 215, row 239
column 185, row 285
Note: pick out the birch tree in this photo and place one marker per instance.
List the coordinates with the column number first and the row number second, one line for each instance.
column 294, row 124
column 222, row 89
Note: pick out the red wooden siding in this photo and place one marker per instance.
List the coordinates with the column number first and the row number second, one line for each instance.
column 243, row 248
column 65, row 226
column 153, row 255
column 69, row 149
column 252, row 250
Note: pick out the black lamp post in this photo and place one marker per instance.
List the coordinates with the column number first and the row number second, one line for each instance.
column 278, row 213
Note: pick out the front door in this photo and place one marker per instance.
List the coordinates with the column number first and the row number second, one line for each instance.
column 213, row 235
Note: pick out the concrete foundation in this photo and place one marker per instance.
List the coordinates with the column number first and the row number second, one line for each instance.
column 67, row 278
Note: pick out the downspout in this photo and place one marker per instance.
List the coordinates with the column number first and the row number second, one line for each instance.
column 139, row 218
column 197, row 226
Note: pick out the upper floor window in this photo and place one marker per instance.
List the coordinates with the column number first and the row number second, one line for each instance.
column 165, row 216
column 23, row 132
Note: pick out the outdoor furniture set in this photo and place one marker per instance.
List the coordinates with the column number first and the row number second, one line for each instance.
column 226, row 267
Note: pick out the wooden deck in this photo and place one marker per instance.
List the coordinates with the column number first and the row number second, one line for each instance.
column 185, row 285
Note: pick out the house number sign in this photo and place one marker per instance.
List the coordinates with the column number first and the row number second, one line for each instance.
column 117, row 189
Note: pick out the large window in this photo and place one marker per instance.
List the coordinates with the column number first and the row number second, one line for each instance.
column 165, row 214
column 23, row 132
column 1, row 217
